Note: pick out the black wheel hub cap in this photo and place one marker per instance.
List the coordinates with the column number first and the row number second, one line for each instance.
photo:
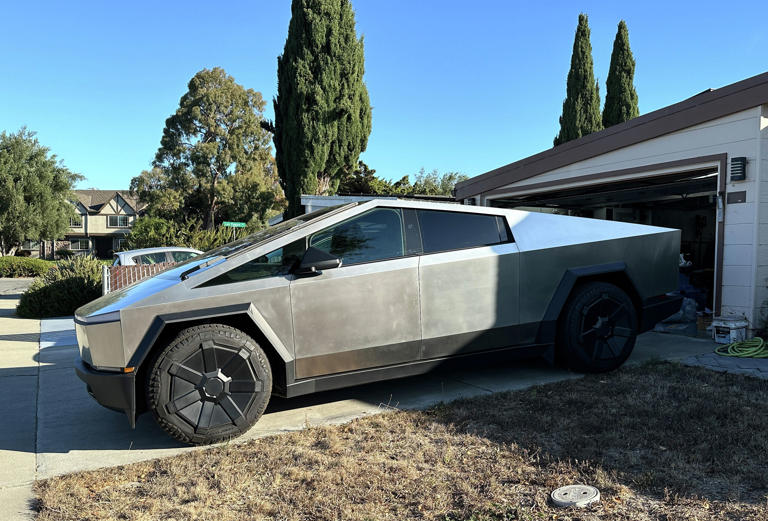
column 606, row 328
column 213, row 386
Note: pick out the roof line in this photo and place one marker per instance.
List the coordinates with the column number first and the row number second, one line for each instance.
column 700, row 108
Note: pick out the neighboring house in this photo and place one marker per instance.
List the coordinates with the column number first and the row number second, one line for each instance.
column 104, row 219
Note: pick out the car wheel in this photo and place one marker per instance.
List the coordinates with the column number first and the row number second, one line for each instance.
column 598, row 328
column 211, row 383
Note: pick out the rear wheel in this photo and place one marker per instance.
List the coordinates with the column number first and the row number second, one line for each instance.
column 210, row 384
column 598, row 328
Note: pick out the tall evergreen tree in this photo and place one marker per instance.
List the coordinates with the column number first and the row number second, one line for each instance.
column 581, row 108
column 620, row 95
column 322, row 109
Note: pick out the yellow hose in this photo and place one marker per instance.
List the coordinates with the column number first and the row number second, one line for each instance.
column 752, row 348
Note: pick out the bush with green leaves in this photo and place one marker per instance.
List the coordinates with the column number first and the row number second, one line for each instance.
column 64, row 288
column 23, row 267
column 151, row 232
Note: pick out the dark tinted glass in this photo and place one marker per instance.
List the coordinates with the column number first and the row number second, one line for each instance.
column 272, row 264
column 443, row 231
column 150, row 258
column 181, row 256
column 375, row 235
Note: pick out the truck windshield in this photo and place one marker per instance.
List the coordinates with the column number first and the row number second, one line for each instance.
column 254, row 239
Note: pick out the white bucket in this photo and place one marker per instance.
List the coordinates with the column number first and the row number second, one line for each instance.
column 727, row 330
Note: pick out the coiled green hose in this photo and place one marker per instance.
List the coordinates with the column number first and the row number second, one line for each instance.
column 752, row 348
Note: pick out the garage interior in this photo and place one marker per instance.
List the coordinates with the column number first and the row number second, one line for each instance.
column 683, row 200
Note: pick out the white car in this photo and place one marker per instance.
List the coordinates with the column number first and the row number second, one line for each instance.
column 154, row 255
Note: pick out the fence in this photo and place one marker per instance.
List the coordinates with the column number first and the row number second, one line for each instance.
column 116, row 277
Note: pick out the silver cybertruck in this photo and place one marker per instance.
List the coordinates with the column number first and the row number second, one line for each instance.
column 366, row 292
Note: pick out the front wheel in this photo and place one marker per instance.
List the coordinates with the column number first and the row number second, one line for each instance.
column 598, row 328
column 211, row 383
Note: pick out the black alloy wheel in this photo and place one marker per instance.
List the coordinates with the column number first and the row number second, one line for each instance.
column 598, row 328
column 210, row 384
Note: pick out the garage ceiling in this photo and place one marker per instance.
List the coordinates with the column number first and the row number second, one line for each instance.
column 673, row 187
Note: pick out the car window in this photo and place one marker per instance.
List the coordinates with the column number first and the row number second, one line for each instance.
column 117, row 262
column 374, row 235
column 150, row 258
column 444, row 231
column 275, row 263
column 181, row 256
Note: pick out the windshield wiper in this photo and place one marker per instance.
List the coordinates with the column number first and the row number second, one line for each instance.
column 184, row 275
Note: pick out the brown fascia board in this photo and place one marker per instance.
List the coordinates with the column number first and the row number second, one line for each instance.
column 698, row 109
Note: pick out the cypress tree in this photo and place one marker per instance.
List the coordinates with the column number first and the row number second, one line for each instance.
column 620, row 95
column 581, row 108
column 322, row 109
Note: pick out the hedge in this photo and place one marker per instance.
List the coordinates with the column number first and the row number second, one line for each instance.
column 23, row 267
column 64, row 288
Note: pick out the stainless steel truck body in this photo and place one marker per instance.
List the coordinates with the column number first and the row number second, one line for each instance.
column 366, row 292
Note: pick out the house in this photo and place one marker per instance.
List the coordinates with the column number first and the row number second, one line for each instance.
column 700, row 165
column 104, row 219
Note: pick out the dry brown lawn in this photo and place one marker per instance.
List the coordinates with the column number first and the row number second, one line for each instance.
column 661, row 442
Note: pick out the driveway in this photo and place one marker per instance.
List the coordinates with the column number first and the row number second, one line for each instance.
column 53, row 427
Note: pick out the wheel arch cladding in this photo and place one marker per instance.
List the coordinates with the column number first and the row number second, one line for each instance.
column 165, row 328
column 613, row 273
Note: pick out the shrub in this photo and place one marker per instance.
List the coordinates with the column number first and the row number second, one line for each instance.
column 63, row 289
column 23, row 267
column 65, row 253
column 23, row 253
column 150, row 232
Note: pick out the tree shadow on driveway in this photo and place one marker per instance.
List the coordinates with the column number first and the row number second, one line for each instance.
column 75, row 433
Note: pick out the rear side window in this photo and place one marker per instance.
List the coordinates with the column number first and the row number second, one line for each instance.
column 445, row 231
column 181, row 256
column 150, row 258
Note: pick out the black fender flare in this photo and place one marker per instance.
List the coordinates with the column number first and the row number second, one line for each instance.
column 548, row 328
column 160, row 321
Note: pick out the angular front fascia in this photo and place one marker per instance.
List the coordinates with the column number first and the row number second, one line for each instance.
column 99, row 340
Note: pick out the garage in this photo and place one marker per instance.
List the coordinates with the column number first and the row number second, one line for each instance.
column 700, row 166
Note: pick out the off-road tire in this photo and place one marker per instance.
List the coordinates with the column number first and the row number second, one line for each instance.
column 597, row 328
column 210, row 384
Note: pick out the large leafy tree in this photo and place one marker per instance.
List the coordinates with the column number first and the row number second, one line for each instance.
column 35, row 191
column 322, row 109
column 214, row 140
column 581, row 108
column 620, row 94
column 433, row 183
column 364, row 181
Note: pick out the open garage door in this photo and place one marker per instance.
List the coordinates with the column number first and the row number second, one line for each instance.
column 687, row 201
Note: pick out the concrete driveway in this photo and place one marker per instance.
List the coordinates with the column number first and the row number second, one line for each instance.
column 51, row 426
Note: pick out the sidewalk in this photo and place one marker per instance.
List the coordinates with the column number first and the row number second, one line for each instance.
column 18, row 386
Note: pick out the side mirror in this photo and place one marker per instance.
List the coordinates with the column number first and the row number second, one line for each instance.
column 315, row 261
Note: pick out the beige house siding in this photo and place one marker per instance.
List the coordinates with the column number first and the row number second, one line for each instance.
column 95, row 218
column 761, row 231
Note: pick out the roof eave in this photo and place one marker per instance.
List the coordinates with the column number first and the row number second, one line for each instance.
column 698, row 109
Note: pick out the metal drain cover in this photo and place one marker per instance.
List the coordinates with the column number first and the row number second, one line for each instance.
column 575, row 496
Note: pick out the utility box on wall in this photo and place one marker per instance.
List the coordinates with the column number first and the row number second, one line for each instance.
column 738, row 168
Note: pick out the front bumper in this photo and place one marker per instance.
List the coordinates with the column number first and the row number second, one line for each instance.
column 116, row 391
column 657, row 309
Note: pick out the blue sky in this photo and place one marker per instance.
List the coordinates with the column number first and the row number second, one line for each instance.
column 454, row 85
